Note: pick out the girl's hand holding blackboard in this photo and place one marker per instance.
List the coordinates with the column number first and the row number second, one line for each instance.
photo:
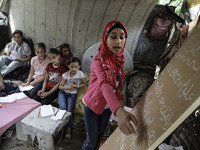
column 125, row 118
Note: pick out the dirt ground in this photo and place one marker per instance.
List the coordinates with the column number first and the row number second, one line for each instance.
column 12, row 143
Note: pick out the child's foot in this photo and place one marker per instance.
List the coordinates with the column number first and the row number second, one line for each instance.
column 68, row 136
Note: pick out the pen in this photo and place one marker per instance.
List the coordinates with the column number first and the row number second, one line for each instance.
column 39, row 112
column 56, row 112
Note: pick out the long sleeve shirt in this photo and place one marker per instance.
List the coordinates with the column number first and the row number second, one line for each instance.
column 100, row 92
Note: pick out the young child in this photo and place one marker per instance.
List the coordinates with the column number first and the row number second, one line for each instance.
column 71, row 81
column 37, row 71
column 17, row 54
column 106, row 79
column 66, row 53
column 54, row 71
column 5, row 88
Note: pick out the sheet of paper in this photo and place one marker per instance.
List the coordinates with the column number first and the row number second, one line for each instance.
column 25, row 88
column 19, row 95
column 58, row 115
column 46, row 110
column 7, row 99
column 12, row 97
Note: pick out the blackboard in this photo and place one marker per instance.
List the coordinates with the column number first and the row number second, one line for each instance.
column 167, row 103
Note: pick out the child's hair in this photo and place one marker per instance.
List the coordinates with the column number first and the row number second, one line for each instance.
column 53, row 51
column 18, row 32
column 42, row 45
column 65, row 45
column 74, row 59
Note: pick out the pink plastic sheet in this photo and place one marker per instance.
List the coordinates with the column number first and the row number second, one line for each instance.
column 14, row 112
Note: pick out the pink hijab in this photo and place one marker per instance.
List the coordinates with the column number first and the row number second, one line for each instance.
column 113, row 64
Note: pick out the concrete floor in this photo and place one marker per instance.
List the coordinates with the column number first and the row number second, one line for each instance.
column 75, row 143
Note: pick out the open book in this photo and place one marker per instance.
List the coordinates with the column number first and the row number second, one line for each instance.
column 25, row 88
column 58, row 115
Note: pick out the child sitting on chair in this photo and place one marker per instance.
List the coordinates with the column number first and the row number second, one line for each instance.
column 54, row 71
column 71, row 81
column 17, row 54
column 37, row 71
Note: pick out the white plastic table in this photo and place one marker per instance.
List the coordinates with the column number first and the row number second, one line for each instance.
column 44, row 128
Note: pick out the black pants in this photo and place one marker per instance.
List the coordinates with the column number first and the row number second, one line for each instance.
column 47, row 100
column 33, row 92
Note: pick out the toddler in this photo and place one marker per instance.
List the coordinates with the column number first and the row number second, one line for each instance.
column 71, row 81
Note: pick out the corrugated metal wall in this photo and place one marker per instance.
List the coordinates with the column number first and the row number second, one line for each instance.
column 77, row 22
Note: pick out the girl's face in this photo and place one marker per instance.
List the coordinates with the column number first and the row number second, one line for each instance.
column 65, row 51
column 41, row 53
column 74, row 67
column 116, row 40
column 18, row 38
column 54, row 58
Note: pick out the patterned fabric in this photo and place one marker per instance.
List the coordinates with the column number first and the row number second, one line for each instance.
column 110, row 61
column 39, row 68
column 18, row 52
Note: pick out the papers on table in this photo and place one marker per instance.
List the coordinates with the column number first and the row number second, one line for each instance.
column 7, row 99
column 25, row 88
column 13, row 97
column 46, row 110
column 58, row 115
column 19, row 95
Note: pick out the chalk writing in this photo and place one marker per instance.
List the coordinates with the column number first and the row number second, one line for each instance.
column 158, row 89
column 189, row 62
column 173, row 72
column 165, row 111
column 149, row 134
column 185, row 88
column 166, row 114
column 121, row 139
column 148, row 118
column 133, row 145
column 151, row 137
column 192, row 47
column 118, row 138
